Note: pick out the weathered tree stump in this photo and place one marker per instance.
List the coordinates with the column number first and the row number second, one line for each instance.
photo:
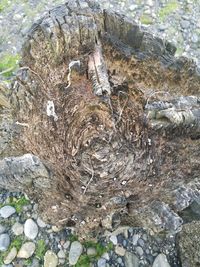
column 105, row 123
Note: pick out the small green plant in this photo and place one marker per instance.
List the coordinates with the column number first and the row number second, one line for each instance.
column 18, row 203
column 170, row 7
column 40, row 249
column 73, row 238
column 86, row 260
column 146, row 19
column 8, row 64
column 3, row 5
column 2, row 256
column 17, row 243
column 27, row 262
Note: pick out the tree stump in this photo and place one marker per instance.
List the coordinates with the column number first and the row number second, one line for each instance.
column 104, row 123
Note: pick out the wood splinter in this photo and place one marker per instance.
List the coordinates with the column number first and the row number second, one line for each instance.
column 98, row 73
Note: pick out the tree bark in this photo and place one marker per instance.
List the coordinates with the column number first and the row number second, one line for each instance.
column 105, row 123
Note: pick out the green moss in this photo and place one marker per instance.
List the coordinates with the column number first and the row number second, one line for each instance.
column 3, row 4
column 40, row 249
column 16, row 203
column 17, row 243
column 146, row 19
column 170, row 7
column 20, row 203
column 73, row 238
column 2, row 256
column 8, row 64
column 27, row 262
column 86, row 260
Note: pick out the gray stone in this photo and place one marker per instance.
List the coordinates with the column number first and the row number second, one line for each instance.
column 2, row 229
column 61, row 254
column 161, row 261
column 131, row 260
column 135, row 239
column 4, row 242
column 120, row 261
column 101, row 262
column 106, row 256
column 30, row 229
column 139, row 250
column 75, row 252
column 126, row 233
column 18, row 228
column 11, row 256
column 7, row 265
column 66, row 245
column 26, row 250
column 61, row 261
column 7, row 211
column 141, row 242
column 50, row 259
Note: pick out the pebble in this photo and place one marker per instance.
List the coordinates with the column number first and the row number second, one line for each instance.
column 4, row 242
column 161, row 261
column 135, row 239
column 66, row 245
column 131, row 260
column 113, row 239
column 106, row 256
column 75, row 252
column 91, row 251
column 56, row 229
column 139, row 250
column 120, row 251
column 26, row 250
column 61, row 261
column 50, row 259
column 101, row 262
column 120, row 261
column 7, row 211
column 61, row 254
column 18, row 228
column 40, row 223
column 141, row 242
column 11, row 256
column 30, row 229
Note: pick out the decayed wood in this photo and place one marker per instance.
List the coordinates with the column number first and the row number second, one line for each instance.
column 110, row 117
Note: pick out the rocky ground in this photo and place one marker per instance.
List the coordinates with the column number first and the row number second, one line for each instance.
column 25, row 240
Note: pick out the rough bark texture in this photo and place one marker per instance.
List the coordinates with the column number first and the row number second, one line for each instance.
column 105, row 123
